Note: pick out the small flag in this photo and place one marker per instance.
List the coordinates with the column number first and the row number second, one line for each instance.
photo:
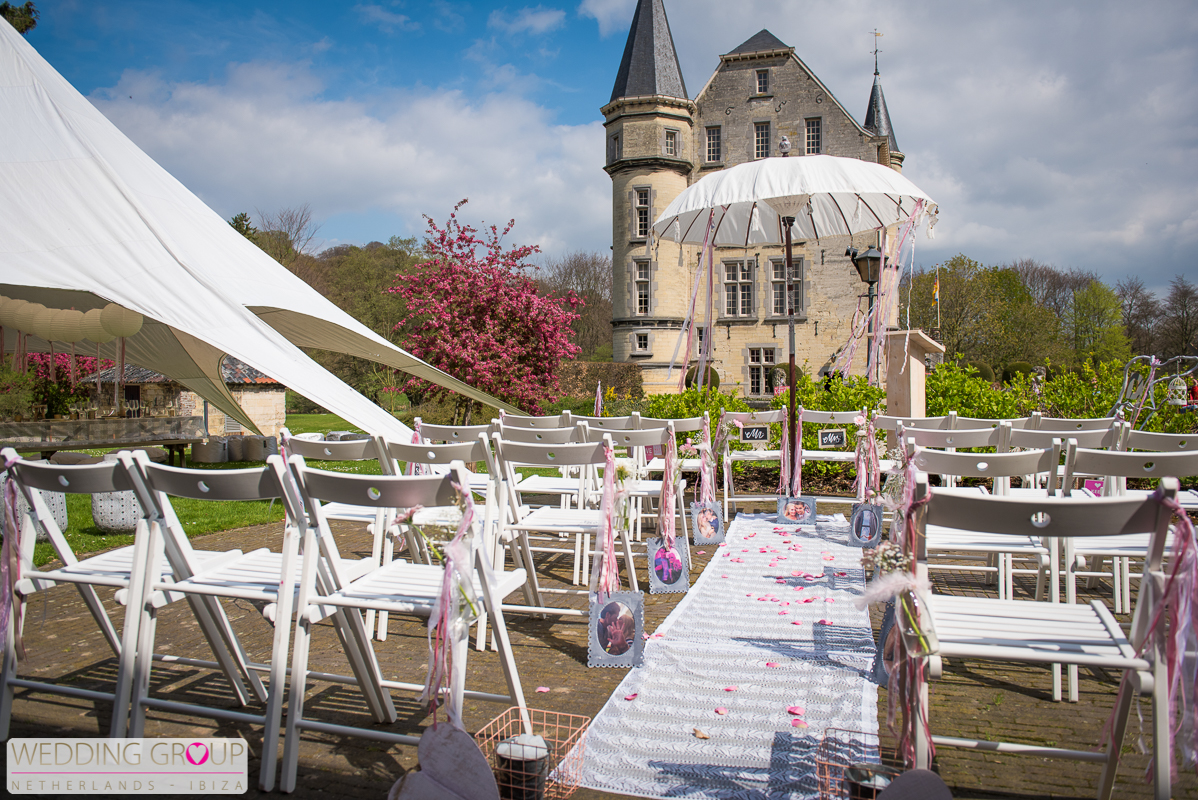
column 936, row 291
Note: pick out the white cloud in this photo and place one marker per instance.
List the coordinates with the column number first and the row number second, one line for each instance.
column 536, row 21
column 264, row 138
column 387, row 21
column 613, row 16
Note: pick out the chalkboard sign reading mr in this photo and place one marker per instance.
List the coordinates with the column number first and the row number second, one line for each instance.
column 755, row 434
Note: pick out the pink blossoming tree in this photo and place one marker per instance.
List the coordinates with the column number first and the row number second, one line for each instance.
column 474, row 312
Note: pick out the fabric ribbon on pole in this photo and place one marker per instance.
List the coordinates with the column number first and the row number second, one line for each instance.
column 796, row 476
column 784, row 474
column 451, row 619
column 10, row 566
column 688, row 324
column 706, row 464
column 665, row 501
column 609, row 570
column 869, row 481
column 413, row 467
column 598, row 399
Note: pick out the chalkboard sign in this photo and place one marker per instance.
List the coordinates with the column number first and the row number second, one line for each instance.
column 832, row 438
column 755, row 434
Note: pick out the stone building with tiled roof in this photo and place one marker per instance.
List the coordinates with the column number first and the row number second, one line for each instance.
column 659, row 141
column 263, row 398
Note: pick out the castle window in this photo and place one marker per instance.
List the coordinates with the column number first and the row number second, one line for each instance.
column 761, row 140
column 815, row 137
column 779, row 287
column 642, row 342
column 763, row 81
column 642, row 288
column 738, row 288
column 642, row 213
column 714, row 151
column 613, row 149
column 701, row 332
column 671, row 143
column 761, row 370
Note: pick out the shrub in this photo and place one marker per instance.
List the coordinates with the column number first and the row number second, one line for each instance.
column 983, row 370
column 16, row 392
column 852, row 394
column 1016, row 368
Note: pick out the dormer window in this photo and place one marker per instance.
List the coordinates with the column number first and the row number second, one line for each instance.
column 763, row 81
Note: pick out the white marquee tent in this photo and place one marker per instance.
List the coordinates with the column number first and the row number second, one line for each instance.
column 87, row 219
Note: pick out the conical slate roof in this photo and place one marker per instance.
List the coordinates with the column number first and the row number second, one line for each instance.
column 877, row 118
column 762, row 40
column 650, row 63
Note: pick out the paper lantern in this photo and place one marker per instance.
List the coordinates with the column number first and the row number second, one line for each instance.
column 67, row 326
column 8, row 311
column 120, row 321
column 93, row 327
column 23, row 318
column 42, row 324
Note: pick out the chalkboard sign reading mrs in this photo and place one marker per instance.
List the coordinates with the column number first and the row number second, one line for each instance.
column 832, row 438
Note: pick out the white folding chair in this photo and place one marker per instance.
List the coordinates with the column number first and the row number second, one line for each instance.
column 760, row 452
column 260, row 576
column 949, row 440
column 681, row 425
column 123, row 569
column 844, row 418
column 399, row 587
column 641, row 490
column 571, row 485
column 522, row 523
column 1046, row 633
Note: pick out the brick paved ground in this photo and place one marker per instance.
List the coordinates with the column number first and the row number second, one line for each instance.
column 971, row 699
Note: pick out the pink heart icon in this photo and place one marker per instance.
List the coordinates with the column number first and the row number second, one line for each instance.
column 200, row 751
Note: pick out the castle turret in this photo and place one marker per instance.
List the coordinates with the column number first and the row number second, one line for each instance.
column 877, row 122
column 649, row 123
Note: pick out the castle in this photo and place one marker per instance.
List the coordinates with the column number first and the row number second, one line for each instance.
column 659, row 141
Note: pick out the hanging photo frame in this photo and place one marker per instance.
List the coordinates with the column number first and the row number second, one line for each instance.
column 796, row 510
column 865, row 525
column 616, row 630
column 668, row 570
column 707, row 523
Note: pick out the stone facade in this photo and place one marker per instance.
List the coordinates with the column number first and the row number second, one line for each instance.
column 266, row 405
column 658, row 144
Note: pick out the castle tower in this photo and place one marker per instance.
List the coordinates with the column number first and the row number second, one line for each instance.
column 659, row 142
column 649, row 123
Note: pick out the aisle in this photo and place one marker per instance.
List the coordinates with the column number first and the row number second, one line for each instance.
column 768, row 634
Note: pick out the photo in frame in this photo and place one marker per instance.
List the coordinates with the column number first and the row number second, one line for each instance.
column 796, row 510
column 865, row 525
column 668, row 568
column 707, row 523
column 616, row 630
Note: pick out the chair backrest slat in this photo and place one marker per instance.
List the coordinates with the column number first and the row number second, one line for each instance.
column 106, row 476
column 470, row 451
column 1070, row 424
column 574, row 434
column 969, row 423
column 626, row 423
column 1118, row 464
column 979, row 437
column 988, row 465
column 831, row 417
column 452, row 433
column 259, row 483
column 1160, row 442
column 681, row 425
column 887, row 423
column 380, row 491
column 548, row 421
column 756, row 417
column 1036, row 438
column 637, row 438
column 353, row 450
column 550, row 455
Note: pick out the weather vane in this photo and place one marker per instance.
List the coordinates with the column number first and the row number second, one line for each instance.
column 877, row 36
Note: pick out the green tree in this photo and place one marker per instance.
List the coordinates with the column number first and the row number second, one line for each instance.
column 241, row 223
column 23, row 18
column 1179, row 327
column 589, row 276
column 1095, row 325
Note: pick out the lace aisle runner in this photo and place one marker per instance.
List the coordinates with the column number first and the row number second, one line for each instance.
column 734, row 630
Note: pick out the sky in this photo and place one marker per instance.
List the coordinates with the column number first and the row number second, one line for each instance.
column 1063, row 131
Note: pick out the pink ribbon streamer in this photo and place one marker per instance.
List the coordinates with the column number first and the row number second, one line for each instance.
column 598, row 399
column 1179, row 603
column 796, row 477
column 10, row 565
column 665, row 502
column 449, row 622
column 869, row 480
column 910, row 673
column 609, row 573
column 413, row 467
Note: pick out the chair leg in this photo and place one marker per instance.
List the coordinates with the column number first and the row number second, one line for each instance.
column 1122, row 707
column 1162, row 755
column 388, row 557
column 9, row 672
column 923, row 757
column 143, row 664
column 633, row 584
column 295, row 704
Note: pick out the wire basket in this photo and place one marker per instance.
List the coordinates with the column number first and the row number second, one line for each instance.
column 551, row 772
column 838, row 750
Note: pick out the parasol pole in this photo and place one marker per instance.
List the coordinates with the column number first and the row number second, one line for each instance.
column 796, row 457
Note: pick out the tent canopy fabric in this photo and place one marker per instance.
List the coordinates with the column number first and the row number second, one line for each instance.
column 87, row 218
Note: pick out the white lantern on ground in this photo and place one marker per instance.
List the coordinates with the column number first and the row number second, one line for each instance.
column 120, row 321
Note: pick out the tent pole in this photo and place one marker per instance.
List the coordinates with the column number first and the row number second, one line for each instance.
column 796, row 457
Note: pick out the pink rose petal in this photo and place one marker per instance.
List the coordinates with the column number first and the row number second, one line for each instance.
column 721, row 711
column 829, row 599
column 723, row 576
column 631, row 696
column 772, row 664
column 701, row 552
column 798, row 723
column 738, row 561
column 781, row 613
column 798, row 573
column 841, row 574
column 657, row 636
column 731, row 688
column 796, row 622
column 797, row 711
column 825, row 622
column 542, row 688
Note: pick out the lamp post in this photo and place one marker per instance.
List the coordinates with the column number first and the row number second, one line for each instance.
column 787, row 224
column 869, row 268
